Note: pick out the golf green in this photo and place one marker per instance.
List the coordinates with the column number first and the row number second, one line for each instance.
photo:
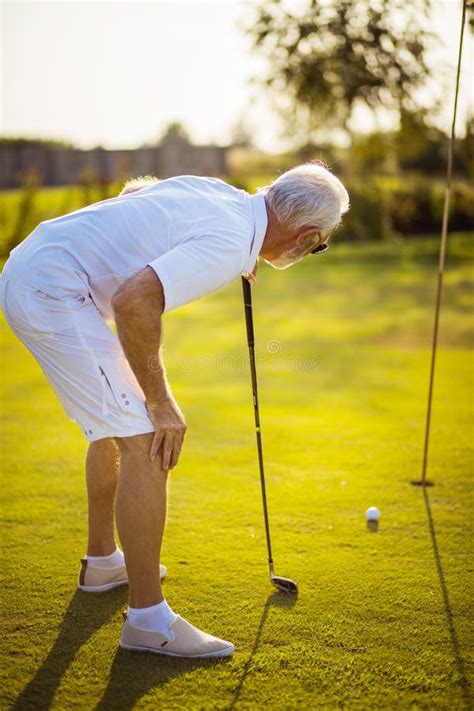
column 383, row 618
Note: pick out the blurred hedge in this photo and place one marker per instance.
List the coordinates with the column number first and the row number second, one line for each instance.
column 414, row 206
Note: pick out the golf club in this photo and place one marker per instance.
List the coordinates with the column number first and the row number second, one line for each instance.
column 284, row 584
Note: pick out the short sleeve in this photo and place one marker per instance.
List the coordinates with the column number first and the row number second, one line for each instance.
column 196, row 268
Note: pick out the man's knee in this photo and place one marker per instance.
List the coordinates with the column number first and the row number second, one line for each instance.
column 135, row 455
column 138, row 445
column 138, row 448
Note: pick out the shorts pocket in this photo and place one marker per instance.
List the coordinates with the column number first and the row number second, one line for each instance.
column 49, row 316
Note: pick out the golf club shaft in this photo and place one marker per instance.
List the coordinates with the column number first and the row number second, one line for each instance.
column 253, row 370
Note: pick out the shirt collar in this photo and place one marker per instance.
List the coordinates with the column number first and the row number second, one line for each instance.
column 260, row 217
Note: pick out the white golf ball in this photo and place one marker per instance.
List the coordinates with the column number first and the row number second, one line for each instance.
column 372, row 513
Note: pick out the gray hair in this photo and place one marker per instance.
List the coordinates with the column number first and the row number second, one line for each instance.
column 308, row 195
column 144, row 181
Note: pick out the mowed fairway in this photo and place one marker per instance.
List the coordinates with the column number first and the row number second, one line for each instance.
column 383, row 619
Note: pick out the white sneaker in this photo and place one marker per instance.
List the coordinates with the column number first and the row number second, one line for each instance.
column 181, row 640
column 101, row 579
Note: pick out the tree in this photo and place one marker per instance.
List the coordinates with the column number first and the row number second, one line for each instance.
column 464, row 150
column 419, row 145
column 175, row 131
column 335, row 54
column 241, row 134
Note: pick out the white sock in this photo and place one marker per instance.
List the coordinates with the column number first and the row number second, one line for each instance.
column 114, row 560
column 152, row 619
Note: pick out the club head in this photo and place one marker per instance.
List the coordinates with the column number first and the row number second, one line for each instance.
column 285, row 584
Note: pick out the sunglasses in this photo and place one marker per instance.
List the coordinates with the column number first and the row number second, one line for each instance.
column 319, row 250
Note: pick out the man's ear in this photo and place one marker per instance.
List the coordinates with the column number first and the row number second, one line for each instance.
column 304, row 233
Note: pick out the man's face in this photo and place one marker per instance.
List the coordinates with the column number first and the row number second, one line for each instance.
column 294, row 254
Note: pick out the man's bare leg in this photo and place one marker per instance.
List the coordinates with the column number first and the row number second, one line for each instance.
column 140, row 511
column 102, row 469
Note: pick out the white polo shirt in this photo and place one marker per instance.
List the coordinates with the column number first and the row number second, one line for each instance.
column 197, row 233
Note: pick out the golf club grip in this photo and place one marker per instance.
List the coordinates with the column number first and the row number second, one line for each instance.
column 248, row 311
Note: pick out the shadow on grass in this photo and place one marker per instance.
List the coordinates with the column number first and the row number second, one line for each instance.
column 81, row 620
column 133, row 674
column 276, row 598
column 463, row 680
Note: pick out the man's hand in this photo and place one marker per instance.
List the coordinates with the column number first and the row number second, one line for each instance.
column 170, row 429
column 252, row 276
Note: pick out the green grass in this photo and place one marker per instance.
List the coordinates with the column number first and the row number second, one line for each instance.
column 383, row 619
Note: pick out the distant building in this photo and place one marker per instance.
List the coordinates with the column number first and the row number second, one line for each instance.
column 57, row 165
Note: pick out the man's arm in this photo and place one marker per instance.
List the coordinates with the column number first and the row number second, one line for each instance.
column 138, row 306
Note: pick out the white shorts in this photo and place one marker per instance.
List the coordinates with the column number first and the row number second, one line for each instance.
column 82, row 359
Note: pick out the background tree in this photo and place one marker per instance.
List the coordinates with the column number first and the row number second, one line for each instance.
column 334, row 54
column 241, row 134
column 464, row 150
column 419, row 145
column 175, row 131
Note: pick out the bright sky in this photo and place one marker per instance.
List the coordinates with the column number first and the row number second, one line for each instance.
column 116, row 73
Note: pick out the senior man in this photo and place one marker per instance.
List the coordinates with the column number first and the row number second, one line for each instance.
column 156, row 246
